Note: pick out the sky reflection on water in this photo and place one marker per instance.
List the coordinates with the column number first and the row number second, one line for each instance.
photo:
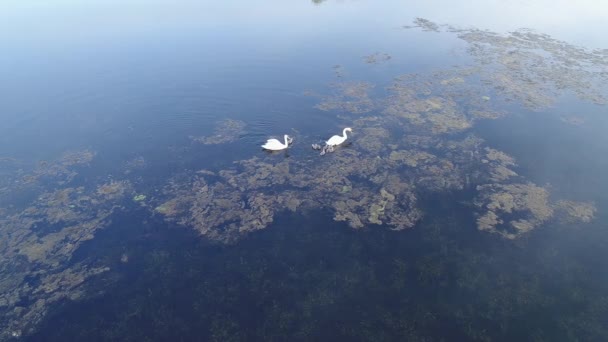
column 110, row 59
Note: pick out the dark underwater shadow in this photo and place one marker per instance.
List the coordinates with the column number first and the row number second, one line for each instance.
column 307, row 277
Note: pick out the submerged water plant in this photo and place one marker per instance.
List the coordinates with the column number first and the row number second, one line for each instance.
column 225, row 131
column 39, row 241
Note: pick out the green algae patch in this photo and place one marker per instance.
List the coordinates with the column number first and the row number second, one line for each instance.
column 139, row 198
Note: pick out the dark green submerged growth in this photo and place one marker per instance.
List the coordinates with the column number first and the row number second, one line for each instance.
column 303, row 280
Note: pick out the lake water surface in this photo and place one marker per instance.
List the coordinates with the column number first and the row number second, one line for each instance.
column 469, row 203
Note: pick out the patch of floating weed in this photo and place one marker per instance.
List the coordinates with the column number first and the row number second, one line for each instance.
column 134, row 164
column 39, row 240
column 498, row 165
column 528, row 203
column 440, row 115
column 377, row 179
column 363, row 184
column 350, row 97
column 425, row 25
column 533, row 68
column 114, row 189
column 373, row 139
column 377, row 58
column 514, row 209
column 576, row 211
column 225, row 131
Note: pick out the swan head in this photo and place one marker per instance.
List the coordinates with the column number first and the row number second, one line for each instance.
column 348, row 129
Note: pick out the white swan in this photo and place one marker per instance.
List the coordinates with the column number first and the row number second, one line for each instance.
column 337, row 140
column 275, row 145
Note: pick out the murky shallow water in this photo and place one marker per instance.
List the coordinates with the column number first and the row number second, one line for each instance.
column 136, row 203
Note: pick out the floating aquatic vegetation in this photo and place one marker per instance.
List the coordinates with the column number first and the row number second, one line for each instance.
column 377, row 58
column 38, row 241
column 411, row 158
column 225, row 131
column 113, row 189
column 439, row 114
column 425, row 25
column 377, row 179
column 373, row 139
column 525, row 67
column 424, row 102
column 219, row 210
column 61, row 171
column 373, row 181
column 232, row 213
column 350, row 97
column 77, row 158
column 532, row 68
column 52, row 288
column 360, row 209
column 171, row 207
column 526, row 206
column 339, row 71
column 452, row 81
column 498, row 164
column 576, row 211
column 24, row 182
column 514, row 209
column 205, row 172
column 486, row 114
column 246, row 197
column 134, row 164
column 363, row 184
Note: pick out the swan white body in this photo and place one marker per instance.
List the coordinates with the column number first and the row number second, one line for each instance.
column 337, row 140
column 275, row 145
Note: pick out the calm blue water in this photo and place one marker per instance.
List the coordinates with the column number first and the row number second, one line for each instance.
column 137, row 80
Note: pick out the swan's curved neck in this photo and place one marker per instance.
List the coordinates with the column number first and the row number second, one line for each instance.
column 286, row 142
column 344, row 133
